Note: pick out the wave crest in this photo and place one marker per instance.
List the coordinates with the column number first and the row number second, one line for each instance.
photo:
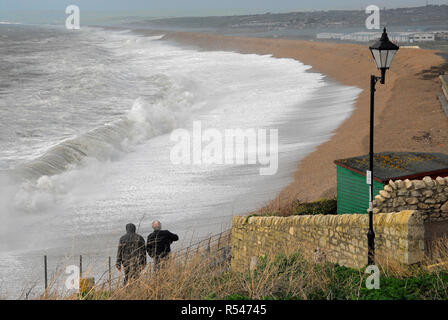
column 166, row 111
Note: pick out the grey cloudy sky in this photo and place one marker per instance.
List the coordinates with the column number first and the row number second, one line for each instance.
column 203, row 7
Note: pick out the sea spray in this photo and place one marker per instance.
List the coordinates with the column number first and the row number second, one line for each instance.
column 112, row 140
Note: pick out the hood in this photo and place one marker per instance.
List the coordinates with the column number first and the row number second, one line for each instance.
column 130, row 228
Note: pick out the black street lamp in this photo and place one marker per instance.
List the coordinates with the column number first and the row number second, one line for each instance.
column 383, row 52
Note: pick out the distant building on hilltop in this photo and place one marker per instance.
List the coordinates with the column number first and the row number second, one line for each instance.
column 393, row 36
column 422, row 37
column 441, row 35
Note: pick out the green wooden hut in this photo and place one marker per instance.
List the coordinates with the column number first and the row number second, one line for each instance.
column 352, row 189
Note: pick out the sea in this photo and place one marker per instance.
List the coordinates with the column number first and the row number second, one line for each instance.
column 86, row 122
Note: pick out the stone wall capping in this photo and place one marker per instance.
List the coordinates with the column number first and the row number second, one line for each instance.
column 408, row 184
column 440, row 181
column 418, row 184
column 428, row 195
column 385, row 194
column 393, row 185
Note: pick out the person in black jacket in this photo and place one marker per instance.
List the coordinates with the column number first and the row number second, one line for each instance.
column 131, row 253
column 158, row 244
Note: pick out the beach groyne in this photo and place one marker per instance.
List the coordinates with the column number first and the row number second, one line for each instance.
column 335, row 238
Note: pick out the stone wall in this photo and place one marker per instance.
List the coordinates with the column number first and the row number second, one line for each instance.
column 428, row 196
column 336, row 238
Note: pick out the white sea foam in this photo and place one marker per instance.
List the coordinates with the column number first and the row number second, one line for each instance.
column 9, row 23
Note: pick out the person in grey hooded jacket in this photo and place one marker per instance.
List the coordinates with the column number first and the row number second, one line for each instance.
column 131, row 253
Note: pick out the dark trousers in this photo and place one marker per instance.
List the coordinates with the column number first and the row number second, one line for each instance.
column 158, row 260
column 131, row 272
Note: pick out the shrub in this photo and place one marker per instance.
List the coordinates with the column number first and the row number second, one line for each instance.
column 425, row 286
column 236, row 296
column 323, row 206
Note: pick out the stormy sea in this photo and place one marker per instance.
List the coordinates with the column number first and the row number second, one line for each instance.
column 85, row 123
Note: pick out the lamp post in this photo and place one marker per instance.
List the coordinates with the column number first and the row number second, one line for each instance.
column 383, row 52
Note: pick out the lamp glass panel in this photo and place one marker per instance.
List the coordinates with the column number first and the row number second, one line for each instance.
column 384, row 54
column 390, row 57
column 376, row 56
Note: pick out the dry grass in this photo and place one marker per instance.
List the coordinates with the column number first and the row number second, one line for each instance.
column 175, row 279
column 283, row 274
column 206, row 276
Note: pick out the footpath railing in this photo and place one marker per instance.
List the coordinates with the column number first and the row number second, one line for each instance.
column 218, row 244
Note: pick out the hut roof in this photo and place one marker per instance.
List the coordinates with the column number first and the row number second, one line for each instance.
column 399, row 165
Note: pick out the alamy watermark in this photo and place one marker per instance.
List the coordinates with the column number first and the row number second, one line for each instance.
column 373, row 20
column 73, row 20
column 373, row 281
column 231, row 146
column 72, row 281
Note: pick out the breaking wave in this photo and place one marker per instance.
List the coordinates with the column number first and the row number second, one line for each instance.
column 109, row 142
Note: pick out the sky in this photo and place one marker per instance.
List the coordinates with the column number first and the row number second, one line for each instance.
column 158, row 8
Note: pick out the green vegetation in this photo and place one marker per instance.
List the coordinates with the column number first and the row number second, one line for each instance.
column 323, row 206
column 424, row 286
column 298, row 208
column 341, row 283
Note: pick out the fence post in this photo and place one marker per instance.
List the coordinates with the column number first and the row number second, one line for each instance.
column 45, row 273
column 186, row 255
column 80, row 266
column 208, row 245
column 219, row 240
column 110, row 274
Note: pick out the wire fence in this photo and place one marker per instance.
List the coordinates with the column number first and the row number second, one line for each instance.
column 218, row 242
column 218, row 245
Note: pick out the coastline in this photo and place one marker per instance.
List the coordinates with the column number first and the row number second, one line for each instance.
column 408, row 116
